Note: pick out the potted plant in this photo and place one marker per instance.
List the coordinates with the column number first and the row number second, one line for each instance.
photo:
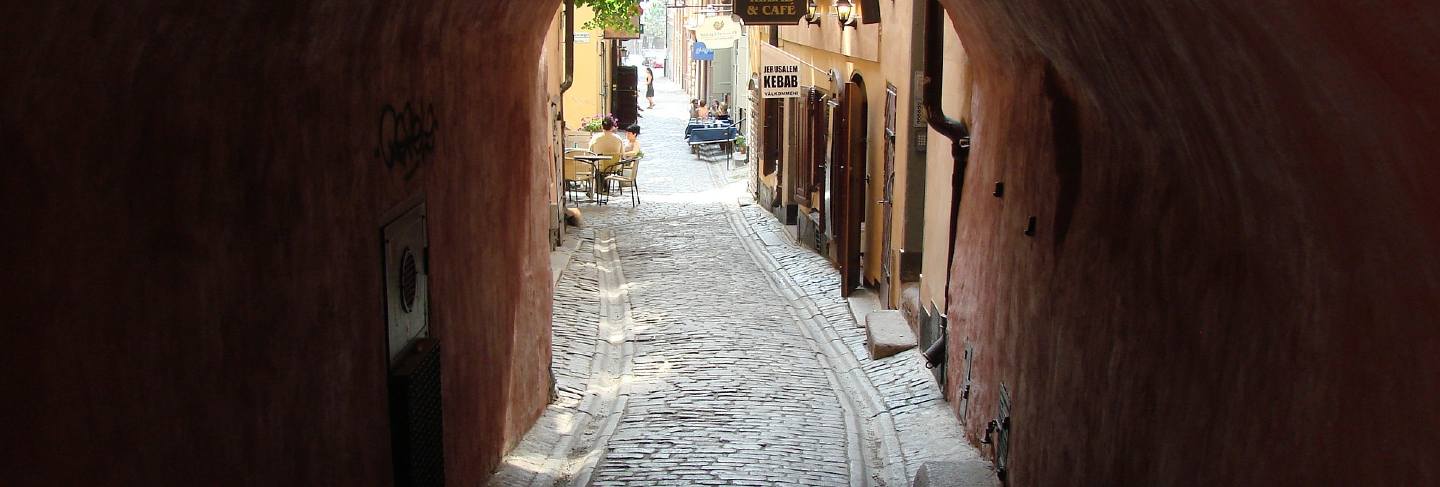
column 593, row 124
column 740, row 147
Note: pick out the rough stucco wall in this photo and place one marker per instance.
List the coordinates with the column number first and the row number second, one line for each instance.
column 861, row 41
column 196, row 288
column 1233, row 280
column 939, row 166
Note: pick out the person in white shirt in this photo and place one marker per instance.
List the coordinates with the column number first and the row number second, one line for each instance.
column 607, row 143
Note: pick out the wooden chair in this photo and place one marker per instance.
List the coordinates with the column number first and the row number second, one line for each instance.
column 579, row 176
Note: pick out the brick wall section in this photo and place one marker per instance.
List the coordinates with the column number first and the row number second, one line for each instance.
column 1234, row 279
column 193, row 290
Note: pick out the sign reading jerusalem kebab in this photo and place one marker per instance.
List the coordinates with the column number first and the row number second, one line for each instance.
column 770, row 12
column 780, row 80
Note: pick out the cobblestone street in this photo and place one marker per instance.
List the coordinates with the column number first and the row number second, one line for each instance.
column 695, row 344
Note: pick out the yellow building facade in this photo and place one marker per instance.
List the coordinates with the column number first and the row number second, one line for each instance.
column 903, row 189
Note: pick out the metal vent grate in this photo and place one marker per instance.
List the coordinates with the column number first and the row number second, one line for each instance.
column 416, row 422
column 1002, row 441
column 967, row 375
column 408, row 281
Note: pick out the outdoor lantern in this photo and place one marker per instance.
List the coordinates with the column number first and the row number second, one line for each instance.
column 812, row 14
column 845, row 12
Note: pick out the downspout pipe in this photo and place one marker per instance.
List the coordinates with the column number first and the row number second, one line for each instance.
column 569, row 48
column 953, row 129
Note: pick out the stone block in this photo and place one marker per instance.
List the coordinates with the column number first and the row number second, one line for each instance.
column 887, row 333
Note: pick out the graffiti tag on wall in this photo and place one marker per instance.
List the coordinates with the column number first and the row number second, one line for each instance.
column 407, row 137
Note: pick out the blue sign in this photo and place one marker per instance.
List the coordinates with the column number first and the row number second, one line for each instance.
column 699, row 52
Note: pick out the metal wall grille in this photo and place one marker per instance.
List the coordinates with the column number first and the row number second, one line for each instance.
column 1002, row 440
column 967, row 375
column 416, row 423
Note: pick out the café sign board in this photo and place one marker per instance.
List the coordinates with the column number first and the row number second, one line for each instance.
column 718, row 31
column 780, row 80
column 771, row 12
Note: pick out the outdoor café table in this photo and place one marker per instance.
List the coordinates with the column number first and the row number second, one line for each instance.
column 594, row 162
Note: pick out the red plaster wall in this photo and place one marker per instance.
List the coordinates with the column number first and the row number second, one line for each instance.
column 193, row 283
column 1234, row 278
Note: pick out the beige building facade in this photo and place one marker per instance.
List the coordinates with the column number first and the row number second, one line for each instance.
column 850, row 164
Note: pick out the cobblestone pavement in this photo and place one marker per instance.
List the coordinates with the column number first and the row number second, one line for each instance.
column 695, row 345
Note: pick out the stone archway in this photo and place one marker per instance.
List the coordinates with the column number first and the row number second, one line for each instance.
column 1209, row 235
column 205, row 189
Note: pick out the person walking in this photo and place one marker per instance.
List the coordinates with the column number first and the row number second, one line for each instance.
column 650, row 86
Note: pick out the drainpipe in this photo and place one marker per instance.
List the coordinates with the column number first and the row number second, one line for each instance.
column 953, row 129
column 569, row 49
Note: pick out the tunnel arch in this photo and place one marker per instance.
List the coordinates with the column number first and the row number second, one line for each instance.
column 198, row 187
column 1205, row 268
column 206, row 193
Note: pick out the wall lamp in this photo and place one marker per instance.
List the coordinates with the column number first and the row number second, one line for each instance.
column 845, row 12
column 812, row 14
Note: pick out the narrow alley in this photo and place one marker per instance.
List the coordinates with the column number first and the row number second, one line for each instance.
column 695, row 343
column 920, row 243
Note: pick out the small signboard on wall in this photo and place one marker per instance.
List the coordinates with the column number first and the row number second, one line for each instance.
column 700, row 52
column 719, row 32
column 780, row 80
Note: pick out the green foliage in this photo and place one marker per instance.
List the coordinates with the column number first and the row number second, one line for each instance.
column 654, row 20
column 615, row 15
column 594, row 124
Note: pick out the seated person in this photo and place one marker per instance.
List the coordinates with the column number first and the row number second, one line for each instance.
column 606, row 143
column 632, row 142
column 703, row 111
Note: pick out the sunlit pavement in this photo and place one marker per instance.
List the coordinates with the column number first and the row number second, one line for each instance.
column 687, row 351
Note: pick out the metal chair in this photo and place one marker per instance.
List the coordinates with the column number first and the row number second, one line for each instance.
column 627, row 176
column 603, row 170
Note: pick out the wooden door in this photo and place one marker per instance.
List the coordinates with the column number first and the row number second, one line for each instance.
column 887, row 204
column 772, row 137
column 837, row 187
column 849, row 185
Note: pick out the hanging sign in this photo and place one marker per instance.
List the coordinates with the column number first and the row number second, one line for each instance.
column 718, row 31
column 780, row 80
column 699, row 52
column 771, row 12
